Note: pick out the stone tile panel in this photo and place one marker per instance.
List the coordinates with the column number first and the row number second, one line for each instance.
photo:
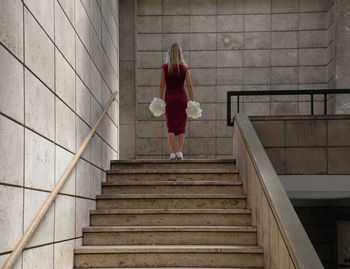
column 39, row 50
column 284, row 22
column 284, row 6
column 229, row 76
column 39, row 112
column 11, row 26
column 307, row 161
column 152, row 7
column 203, row 59
column 180, row 7
column 229, row 7
column 176, row 24
column 229, row 58
column 257, row 23
column 277, row 158
column 11, row 86
column 65, row 126
column 270, row 133
column 257, row 58
column 284, row 40
column 229, row 41
column 229, row 23
column 257, row 40
column 149, row 24
column 338, row 132
column 313, row 21
column 284, row 57
column 338, row 160
column 284, row 108
column 199, row 7
column 11, row 227
column 256, row 75
column 203, row 41
column 202, row 24
column 64, row 34
column 306, row 133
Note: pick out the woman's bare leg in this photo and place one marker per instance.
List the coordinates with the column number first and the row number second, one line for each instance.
column 181, row 140
column 171, row 141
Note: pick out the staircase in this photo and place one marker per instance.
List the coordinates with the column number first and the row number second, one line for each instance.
column 173, row 214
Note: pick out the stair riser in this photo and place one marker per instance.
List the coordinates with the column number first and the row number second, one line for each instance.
column 170, row 238
column 141, row 260
column 172, row 189
column 115, row 178
column 170, row 203
column 173, row 165
column 170, row 219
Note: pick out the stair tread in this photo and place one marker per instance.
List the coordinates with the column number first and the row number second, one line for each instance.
column 136, row 161
column 172, row 171
column 173, row 196
column 170, row 211
column 172, row 183
column 168, row 249
column 233, row 228
column 170, row 268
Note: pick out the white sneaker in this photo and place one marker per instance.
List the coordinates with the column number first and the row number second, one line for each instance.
column 172, row 156
column 179, row 156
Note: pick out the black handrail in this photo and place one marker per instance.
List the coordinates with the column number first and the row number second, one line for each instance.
column 282, row 92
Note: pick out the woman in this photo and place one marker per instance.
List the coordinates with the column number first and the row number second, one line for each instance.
column 174, row 73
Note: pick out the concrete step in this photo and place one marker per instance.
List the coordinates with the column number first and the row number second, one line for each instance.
column 168, row 256
column 177, row 201
column 173, row 187
column 170, row 235
column 173, row 164
column 166, row 171
column 174, row 268
column 115, row 177
column 177, row 217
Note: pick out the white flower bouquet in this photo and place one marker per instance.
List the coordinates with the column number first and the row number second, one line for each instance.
column 157, row 107
column 193, row 110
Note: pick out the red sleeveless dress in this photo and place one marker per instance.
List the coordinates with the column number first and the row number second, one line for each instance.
column 175, row 99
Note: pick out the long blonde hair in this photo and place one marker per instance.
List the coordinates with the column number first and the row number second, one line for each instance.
column 175, row 58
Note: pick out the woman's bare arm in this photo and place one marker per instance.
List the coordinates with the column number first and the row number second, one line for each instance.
column 161, row 86
column 189, row 85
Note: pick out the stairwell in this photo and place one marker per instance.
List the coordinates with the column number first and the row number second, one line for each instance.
column 178, row 214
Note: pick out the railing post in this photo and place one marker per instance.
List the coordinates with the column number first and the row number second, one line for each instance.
column 237, row 103
column 325, row 104
column 312, row 104
column 229, row 116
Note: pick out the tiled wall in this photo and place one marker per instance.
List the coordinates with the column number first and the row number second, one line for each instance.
column 230, row 45
column 308, row 145
column 342, row 65
column 58, row 67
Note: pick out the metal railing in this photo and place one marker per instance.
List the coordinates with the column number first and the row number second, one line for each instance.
column 325, row 94
column 48, row 202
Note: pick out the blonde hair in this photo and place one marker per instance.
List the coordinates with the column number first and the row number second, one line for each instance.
column 175, row 58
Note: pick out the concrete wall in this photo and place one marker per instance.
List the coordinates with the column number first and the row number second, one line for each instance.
column 230, row 45
column 342, row 65
column 59, row 66
column 127, row 79
column 314, row 145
